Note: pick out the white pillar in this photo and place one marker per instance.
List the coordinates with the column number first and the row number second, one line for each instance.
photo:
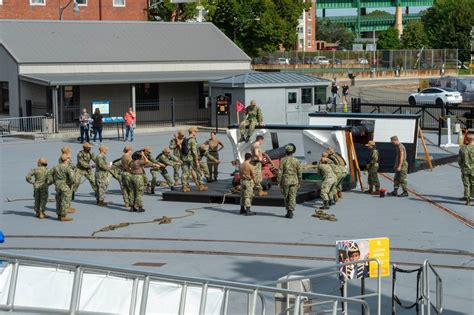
column 54, row 97
column 134, row 100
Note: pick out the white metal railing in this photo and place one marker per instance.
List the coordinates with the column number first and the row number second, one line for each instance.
column 335, row 270
column 257, row 294
column 14, row 126
column 426, row 290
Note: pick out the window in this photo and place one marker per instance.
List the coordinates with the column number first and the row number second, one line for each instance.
column 292, row 98
column 309, row 30
column 37, row 2
column 81, row 3
column 306, row 96
column 147, row 96
column 320, row 93
column 118, row 3
column 203, row 92
column 309, row 42
column 71, row 96
column 309, row 16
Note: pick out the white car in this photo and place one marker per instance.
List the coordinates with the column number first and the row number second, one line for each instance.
column 320, row 60
column 436, row 95
column 362, row 61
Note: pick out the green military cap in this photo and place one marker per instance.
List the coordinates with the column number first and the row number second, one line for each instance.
column 289, row 148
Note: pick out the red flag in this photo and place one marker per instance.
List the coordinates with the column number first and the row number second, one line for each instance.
column 239, row 106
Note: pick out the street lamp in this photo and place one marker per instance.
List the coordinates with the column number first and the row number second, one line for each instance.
column 75, row 9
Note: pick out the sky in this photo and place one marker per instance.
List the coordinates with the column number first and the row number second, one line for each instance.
column 345, row 12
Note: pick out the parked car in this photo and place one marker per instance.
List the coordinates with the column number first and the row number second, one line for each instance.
column 283, row 61
column 335, row 61
column 320, row 60
column 362, row 61
column 436, row 95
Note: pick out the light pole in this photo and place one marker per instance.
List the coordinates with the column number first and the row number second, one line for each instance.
column 75, row 9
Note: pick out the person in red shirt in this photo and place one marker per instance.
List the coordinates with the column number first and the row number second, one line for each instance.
column 130, row 120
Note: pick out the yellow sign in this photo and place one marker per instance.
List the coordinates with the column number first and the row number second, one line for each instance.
column 357, row 250
column 471, row 65
column 380, row 249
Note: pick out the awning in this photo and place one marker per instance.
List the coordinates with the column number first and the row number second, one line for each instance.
column 50, row 79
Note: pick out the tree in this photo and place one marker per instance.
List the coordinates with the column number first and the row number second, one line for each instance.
column 448, row 24
column 388, row 39
column 167, row 11
column 378, row 13
column 257, row 25
column 414, row 36
column 335, row 33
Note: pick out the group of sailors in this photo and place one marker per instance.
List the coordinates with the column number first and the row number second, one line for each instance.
column 184, row 155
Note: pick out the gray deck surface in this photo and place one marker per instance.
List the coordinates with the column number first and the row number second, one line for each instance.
column 410, row 223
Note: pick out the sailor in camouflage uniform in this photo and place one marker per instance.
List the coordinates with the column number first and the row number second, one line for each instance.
column 466, row 163
column 329, row 181
column 339, row 170
column 101, row 175
column 289, row 179
column 204, row 153
column 247, row 182
column 126, row 177
column 253, row 118
column 373, row 168
column 175, row 146
column 84, row 167
column 39, row 177
column 153, row 171
column 165, row 159
column 62, row 175
column 191, row 162
column 400, row 168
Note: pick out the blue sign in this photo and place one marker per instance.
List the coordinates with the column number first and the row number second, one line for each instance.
column 2, row 237
column 113, row 119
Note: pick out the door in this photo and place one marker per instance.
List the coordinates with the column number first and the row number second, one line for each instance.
column 292, row 107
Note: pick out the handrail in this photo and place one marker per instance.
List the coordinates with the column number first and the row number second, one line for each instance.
column 254, row 290
column 425, row 292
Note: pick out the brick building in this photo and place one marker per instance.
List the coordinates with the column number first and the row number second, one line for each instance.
column 307, row 29
column 130, row 10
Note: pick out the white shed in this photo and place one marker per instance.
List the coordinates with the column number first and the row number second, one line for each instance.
column 284, row 97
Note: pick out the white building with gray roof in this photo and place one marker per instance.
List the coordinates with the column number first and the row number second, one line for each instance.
column 61, row 66
column 284, row 97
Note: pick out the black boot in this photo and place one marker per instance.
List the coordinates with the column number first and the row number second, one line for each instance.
column 242, row 210
column 403, row 194
column 171, row 188
column 242, row 138
column 289, row 214
column 133, row 209
column 152, row 190
column 248, row 212
column 325, row 205
column 247, row 139
column 394, row 192
column 140, row 210
column 331, row 202
column 73, row 195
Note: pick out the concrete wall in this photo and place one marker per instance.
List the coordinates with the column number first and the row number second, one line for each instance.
column 9, row 73
column 271, row 101
column 118, row 95
column 187, row 102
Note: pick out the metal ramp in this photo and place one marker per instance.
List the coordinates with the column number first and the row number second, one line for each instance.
column 41, row 285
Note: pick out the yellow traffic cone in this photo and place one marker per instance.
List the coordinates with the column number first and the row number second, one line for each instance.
column 345, row 107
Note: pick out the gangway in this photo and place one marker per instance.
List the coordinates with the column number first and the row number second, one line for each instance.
column 43, row 285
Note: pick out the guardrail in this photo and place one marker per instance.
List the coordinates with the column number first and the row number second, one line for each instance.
column 33, row 125
column 138, row 303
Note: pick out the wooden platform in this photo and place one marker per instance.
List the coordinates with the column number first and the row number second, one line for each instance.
column 217, row 190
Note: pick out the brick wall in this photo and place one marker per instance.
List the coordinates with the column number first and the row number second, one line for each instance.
column 134, row 10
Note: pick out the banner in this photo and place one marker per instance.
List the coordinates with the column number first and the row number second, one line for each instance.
column 354, row 250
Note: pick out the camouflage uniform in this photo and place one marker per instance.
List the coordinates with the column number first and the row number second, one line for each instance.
column 126, row 182
column 167, row 161
column 189, row 163
column 40, row 184
column 101, row 177
column 138, row 183
column 204, row 165
column 290, row 175
column 372, row 170
column 84, row 168
column 176, row 149
column 247, row 176
column 400, row 178
column 253, row 117
column 329, row 180
column 339, row 170
column 466, row 163
column 62, row 175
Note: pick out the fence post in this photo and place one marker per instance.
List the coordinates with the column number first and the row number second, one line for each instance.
column 439, row 130
column 173, row 112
